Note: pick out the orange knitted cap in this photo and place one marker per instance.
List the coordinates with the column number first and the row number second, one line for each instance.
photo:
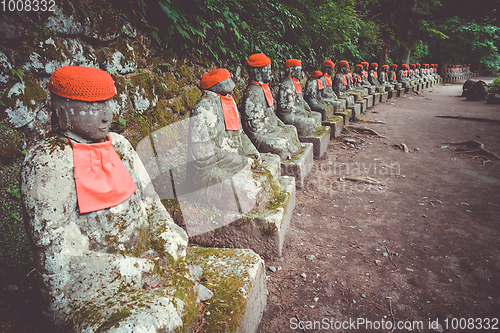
column 82, row 84
column 359, row 66
column 328, row 63
column 385, row 66
column 364, row 63
column 374, row 64
column 213, row 77
column 394, row 65
column 258, row 60
column 343, row 63
column 292, row 63
column 317, row 74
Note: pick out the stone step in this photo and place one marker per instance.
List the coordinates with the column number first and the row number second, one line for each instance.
column 336, row 124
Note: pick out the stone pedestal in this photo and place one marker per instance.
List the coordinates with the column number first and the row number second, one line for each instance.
column 262, row 231
column 400, row 92
column 219, row 268
column 369, row 101
column 384, row 96
column 300, row 165
column 346, row 115
column 336, row 124
column 376, row 98
column 362, row 105
column 319, row 140
column 355, row 111
column 392, row 94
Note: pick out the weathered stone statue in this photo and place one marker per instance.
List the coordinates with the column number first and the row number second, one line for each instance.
column 404, row 76
column 313, row 95
column 95, row 221
column 328, row 94
column 358, row 81
column 392, row 77
column 266, row 131
column 292, row 109
column 384, row 79
column 365, row 76
column 373, row 77
column 341, row 85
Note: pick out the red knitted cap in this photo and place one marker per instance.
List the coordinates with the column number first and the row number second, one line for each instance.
column 359, row 66
column 394, row 65
column 343, row 63
column 82, row 83
column 328, row 63
column 292, row 63
column 385, row 66
column 316, row 74
column 258, row 60
column 374, row 64
column 364, row 63
column 213, row 77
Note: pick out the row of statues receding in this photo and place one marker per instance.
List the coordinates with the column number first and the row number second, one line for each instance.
column 99, row 230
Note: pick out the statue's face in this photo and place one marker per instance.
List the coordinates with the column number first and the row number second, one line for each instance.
column 357, row 69
column 260, row 74
column 89, row 120
column 327, row 70
column 365, row 67
column 224, row 87
column 266, row 73
column 295, row 71
column 343, row 69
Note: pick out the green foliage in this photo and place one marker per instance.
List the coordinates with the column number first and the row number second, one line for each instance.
column 493, row 88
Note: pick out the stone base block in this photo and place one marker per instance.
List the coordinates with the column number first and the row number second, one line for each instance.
column 369, row 101
column 336, row 124
column 300, row 165
column 320, row 141
column 220, row 268
column 400, row 92
column 346, row 115
column 355, row 111
column 376, row 98
column 384, row 96
column 392, row 94
column 262, row 231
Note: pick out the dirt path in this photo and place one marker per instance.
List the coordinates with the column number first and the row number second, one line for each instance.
column 423, row 244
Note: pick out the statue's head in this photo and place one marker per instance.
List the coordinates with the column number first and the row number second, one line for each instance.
column 217, row 80
column 358, row 68
column 412, row 66
column 385, row 68
column 394, row 67
column 373, row 66
column 327, row 67
column 81, row 99
column 365, row 65
column 259, row 67
column 343, row 66
column 293, row 68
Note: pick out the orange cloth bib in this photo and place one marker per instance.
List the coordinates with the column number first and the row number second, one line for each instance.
column 320, row 85
column 267, row 92
column 230, row 115
column 296, row 84
column 328, row 80
column 102, row 181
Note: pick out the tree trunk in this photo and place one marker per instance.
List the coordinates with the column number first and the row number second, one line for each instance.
column 408, row 41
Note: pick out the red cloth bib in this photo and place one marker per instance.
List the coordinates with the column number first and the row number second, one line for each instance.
column 267, row 92
column 296, row 84
column 375, row 75
column 365, row 73
column 359, row 78
column 102, row 181
column 350, row 75
column 386, row 76
column 320, row 85
column 345, row 79
column 394, row 75
column 328, row 80
column 230, row 115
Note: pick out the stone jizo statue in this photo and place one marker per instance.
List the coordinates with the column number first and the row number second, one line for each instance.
column 328, row 94
column 373, row 77
column 393, row 77
column 101, row 236
column 266, row 131
column 292, row 109
column 384, row 79
column 313, row 95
